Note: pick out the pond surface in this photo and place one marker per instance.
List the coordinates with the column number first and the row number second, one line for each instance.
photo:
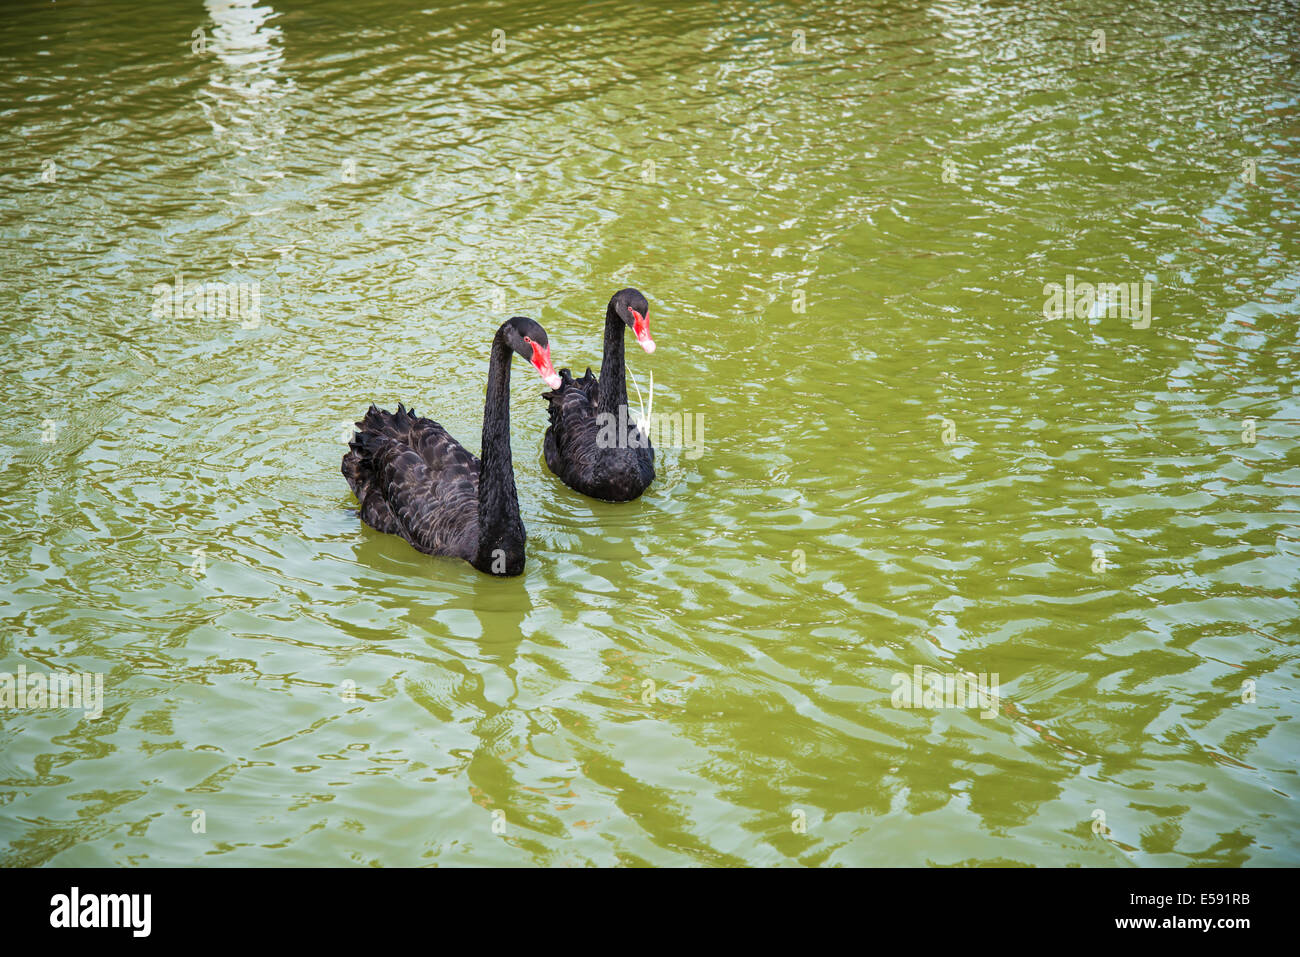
column 858, row 227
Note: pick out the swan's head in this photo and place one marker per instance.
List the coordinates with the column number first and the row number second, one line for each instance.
column 528, row 338
column 630, row 306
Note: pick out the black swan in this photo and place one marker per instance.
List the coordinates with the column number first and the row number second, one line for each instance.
column 591, row 443
column 414, row 480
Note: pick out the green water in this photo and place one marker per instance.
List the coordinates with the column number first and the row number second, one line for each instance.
column 845, row 236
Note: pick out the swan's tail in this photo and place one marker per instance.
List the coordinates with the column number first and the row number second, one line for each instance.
column 374, row 432
column 358, row 462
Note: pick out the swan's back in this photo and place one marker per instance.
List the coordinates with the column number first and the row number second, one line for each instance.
column 574, row 452
column 414, row 480
column 571, row 410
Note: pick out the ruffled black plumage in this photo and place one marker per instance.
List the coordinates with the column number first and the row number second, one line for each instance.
column 578, row 446
column 413, row 479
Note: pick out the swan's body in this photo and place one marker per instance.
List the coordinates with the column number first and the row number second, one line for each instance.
column 592, row 443
column 414, row 480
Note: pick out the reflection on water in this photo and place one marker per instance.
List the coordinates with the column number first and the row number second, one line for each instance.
column 247, row 80
column 845, row 234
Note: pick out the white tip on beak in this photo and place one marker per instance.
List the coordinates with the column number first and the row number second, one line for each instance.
column 552, row 380
column 648, row 345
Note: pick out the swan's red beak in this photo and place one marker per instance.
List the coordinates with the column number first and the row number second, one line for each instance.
column 641, row 329
column 542, row 363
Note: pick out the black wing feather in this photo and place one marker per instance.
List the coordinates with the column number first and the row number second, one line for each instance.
column 413, row 479
column 573, row 449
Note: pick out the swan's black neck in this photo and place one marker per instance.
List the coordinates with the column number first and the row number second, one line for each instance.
column 613, row 375
column 500, row 529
